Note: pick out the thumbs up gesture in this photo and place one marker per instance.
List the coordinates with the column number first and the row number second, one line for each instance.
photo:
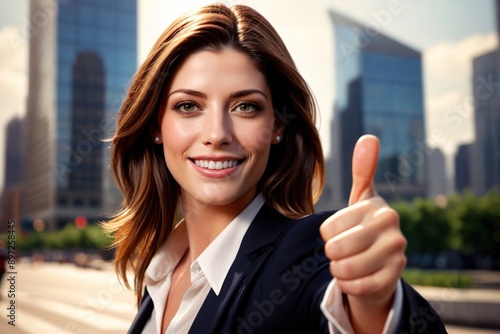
column 365, row 245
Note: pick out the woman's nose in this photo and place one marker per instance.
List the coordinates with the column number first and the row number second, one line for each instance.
column 216, row 128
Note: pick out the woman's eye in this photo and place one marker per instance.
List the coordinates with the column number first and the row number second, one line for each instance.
column 186, row 107
column 248, row 107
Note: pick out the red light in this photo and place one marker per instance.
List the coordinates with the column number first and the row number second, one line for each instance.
column 81, row 221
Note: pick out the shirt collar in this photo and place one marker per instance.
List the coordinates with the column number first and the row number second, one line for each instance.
column 216, row 259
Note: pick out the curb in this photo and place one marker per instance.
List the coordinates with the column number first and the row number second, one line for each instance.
column 465, row 307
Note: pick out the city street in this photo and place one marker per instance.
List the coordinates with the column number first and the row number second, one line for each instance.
column 53, row 298
column 56, row 298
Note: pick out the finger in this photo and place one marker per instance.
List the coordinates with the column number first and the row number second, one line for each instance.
column 364, row 165
column 345, row 219
column 379, row 283
column 349, row 243
column 381, row 254
column 358, row 238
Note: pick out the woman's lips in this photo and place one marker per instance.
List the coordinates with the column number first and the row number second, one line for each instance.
column 217, row 168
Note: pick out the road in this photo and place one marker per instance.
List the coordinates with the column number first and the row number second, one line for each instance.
column 64, row 299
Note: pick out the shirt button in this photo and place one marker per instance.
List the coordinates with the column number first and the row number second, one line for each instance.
column 196, row 268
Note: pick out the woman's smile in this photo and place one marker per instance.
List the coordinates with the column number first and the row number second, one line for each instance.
column 217, row 167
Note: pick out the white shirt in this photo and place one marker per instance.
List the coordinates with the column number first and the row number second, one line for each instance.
column 209, row 271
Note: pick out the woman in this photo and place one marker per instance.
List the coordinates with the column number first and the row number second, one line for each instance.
column 219, row 128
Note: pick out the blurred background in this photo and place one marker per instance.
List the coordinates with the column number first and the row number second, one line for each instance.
column 422, row 75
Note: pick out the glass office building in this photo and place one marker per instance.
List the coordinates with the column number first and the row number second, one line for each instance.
column 83, row 54
column 485, row 163
column 463, row 174
column 10, row 200
column 379, row 91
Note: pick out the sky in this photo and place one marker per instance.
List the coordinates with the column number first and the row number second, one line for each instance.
column 448, row 33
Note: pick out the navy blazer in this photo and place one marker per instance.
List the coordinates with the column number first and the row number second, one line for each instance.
column 277, row 282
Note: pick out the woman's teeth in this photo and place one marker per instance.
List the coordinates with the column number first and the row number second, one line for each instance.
column 209, row 164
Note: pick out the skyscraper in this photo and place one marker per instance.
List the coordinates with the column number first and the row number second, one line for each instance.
column 486, row 152
column 14, row 149
column 379, row 91
column 485, row 169
column 437, row 179
column 463, row 159
column 14, row 172
column 82, row 56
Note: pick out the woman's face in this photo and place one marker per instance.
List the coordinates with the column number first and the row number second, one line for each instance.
column 217, row 128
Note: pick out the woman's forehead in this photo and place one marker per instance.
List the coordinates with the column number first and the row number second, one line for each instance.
column 222, row 69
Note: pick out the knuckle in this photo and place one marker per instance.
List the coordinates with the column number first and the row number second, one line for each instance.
column 403, row 242
column 396, row 243
column 400, row 241
column 393, row 215
column 401, row 261
column 388, row 215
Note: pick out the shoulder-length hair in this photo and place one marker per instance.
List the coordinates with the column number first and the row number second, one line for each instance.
column 294, row 177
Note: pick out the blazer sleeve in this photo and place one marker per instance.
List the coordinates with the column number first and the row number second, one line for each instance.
column 418, row 315
column 301, row 271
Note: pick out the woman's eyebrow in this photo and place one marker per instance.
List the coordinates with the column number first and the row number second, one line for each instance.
column 246, row 92
column 239, row 93
column 189, row 92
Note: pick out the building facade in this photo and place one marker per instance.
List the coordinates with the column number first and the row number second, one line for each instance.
column 463, row 164
column 378, row 91
column 485, row 155
column 438, row 180
column 10, row 204
column 81, row 59
column 486, row 152
column 14, row 153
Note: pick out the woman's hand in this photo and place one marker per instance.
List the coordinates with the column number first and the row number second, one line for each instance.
column 365, row 245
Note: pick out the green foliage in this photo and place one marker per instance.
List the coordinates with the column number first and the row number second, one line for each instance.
column 462, row 222
column 450, row 279
column 478, row 220
column 425, row 225
column 70, row 237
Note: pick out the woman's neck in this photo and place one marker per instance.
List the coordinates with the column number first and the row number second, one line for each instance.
column 205, row 222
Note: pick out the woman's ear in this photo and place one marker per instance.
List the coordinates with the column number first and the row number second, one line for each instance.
column 279, row 129
column 157, row 137
column 277, row 139
column 278, row 134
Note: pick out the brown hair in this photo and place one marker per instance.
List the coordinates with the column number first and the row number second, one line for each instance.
column 293, row 179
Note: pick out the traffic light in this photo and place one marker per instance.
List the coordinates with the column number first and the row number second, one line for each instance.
column 80, row 221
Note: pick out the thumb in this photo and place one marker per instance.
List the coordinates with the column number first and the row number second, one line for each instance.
column 364, row 165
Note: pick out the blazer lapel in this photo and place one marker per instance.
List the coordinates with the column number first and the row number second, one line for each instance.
column 256, row 245
column 143, row 314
